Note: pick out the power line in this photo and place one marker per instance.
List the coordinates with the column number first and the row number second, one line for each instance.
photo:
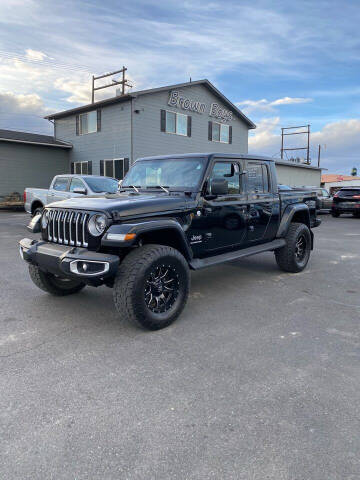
column 44, row 62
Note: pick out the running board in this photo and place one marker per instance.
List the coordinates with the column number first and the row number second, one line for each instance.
column 198, row 263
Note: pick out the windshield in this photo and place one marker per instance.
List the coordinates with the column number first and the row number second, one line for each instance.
column 175, row 173
column 100, row 185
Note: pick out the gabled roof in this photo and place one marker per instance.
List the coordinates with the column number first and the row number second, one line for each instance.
column 124, row 98
column 33, row 138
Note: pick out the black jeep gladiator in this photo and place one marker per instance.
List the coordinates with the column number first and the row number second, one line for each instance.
column 172, row 214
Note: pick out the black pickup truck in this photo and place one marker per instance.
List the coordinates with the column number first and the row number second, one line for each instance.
column 173, row 213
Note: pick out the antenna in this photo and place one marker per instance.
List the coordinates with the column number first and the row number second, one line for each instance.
column 124, row 82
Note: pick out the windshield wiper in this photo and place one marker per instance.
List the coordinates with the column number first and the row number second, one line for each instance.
column 135, row 187
column 160, row 186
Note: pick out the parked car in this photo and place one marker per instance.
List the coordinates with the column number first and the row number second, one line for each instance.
column 346, row 200
column 63, row 187
column 323, row 198
column 172, row 214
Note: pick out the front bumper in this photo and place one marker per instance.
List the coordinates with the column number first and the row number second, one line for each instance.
column 69, row 261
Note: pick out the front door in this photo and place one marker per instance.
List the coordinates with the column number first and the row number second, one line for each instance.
column 221, row 222
column 261, row 200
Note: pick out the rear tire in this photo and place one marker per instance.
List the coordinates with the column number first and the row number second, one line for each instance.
column 52, row 284
column 335, row 214
column 356, row 214
column 294, row 256
column 152, row 286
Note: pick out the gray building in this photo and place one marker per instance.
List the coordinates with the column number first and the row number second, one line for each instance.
column 183, row 118
column 30, row 160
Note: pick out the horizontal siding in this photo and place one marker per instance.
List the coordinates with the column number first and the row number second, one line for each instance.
column 149, row 140
column 113, row 141
column 24, row 166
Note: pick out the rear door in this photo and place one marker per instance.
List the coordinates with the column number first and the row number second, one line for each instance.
column 59, row 189
column 261, row 200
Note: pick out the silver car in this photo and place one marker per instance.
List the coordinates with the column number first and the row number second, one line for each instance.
column 67, row 186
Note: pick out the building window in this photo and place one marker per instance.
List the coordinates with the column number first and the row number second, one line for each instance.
column 81, row 168
column 219, row 132
column 88, row 122
column 115, row 168
column 176, row 123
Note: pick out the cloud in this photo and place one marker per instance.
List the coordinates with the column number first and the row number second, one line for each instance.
column 264, row 105
column 340, row 142
column 26, row 104
column 23, row 112
column 35, row 54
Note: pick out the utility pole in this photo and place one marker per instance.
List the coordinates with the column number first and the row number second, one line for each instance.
column 124, row 82
column 306, row 132
column 319, row 155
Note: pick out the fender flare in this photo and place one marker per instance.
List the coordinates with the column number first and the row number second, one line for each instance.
column 142, row 227
column 288, row 215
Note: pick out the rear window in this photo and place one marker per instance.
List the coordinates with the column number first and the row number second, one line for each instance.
column 349, row 192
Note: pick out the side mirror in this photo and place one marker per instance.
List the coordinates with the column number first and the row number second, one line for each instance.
column 81, row 191
column 219, row 186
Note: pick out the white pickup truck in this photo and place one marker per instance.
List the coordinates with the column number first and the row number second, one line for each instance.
column 67, row 186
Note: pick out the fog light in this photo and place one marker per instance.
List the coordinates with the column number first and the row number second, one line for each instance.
column 89, row 267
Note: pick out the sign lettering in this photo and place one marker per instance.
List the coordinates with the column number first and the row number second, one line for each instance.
column 178, row 101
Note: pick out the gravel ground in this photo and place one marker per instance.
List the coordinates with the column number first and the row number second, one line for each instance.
column 258, row 379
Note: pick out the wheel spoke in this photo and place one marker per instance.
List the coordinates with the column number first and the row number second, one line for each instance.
column 161, row 288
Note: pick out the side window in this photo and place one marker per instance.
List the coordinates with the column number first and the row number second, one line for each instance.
column 257, row 178
column 76, row 183
column 61, row 184
column 230, row 171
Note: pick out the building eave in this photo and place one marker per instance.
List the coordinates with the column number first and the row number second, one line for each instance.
column 36, row 143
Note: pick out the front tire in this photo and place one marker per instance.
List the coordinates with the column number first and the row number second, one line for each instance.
column 152, row 286
column 37, row 211
column 294, row 256
column 335, row 214
column 52, row 284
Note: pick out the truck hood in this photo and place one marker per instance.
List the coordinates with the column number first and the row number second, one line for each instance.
column 125, row 204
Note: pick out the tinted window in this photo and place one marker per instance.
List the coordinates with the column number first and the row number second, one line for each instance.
column 61, row 184
column 76, row 183
column 229, row 171
column 349, row 193
column 257, row 178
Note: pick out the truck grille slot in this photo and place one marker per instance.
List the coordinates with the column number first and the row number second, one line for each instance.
column 68, row 227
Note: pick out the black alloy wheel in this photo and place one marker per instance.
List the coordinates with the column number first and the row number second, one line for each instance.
column 161, row 288
column 300, row 248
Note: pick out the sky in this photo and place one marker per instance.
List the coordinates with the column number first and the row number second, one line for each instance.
column 282, row 63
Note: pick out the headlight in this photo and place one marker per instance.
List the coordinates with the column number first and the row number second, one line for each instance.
column 45, row 219
column 97, row 225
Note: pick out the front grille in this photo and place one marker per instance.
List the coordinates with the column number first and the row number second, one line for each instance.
column 68, row 227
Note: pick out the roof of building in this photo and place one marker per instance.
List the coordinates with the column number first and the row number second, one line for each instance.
column 126, row 97
column 335, row 177
column 32, row 138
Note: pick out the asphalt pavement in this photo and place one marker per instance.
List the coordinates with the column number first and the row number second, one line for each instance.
column 258, row 379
